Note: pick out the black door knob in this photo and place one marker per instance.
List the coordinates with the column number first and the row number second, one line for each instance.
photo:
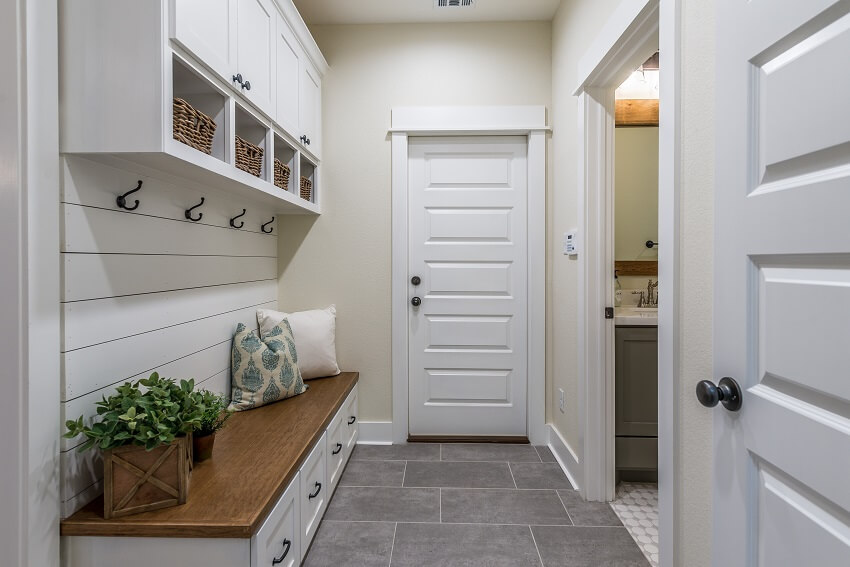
column 416, row 302
column 416, row 280
column 726, row 392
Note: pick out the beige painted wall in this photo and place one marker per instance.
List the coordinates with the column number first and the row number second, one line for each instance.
column 347, row 258
column 635, row 193
column 575, row 25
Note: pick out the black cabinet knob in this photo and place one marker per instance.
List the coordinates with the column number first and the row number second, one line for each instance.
column 416, row 302
column 237, row 78
column 416, row 280
column 246, row 85
column 308, row 141
column 726, row 392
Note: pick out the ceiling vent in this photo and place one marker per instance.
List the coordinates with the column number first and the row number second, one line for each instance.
column 454, row 3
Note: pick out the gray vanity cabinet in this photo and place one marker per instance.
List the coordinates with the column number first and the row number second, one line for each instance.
column 636, row 376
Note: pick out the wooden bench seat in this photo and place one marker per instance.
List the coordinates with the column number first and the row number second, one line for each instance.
column 256, row 456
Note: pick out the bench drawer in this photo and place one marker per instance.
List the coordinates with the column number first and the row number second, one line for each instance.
column 314, row 492
column 336, row 450
column 351, row 422
column 278, row 541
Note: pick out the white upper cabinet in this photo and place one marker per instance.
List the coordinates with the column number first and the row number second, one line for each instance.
column 310, row 109
column 256, row 22
column 205, row 28
column 124, row 62
column 288, row 74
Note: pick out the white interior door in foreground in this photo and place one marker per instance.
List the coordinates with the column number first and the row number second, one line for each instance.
column 468, row 234
column 781, row 490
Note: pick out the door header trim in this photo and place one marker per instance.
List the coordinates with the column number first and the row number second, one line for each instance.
column 468, row 120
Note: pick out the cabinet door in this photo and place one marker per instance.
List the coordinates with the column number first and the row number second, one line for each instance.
column 310, row 108
column 335, row 450
column 314, row 492
column 351, row 422
column 278, row 540
column 206, row 29
column 636, row 381
column 288, row 57
column 256, row 22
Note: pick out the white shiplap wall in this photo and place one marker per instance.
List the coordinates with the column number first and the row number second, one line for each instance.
column 149, row 290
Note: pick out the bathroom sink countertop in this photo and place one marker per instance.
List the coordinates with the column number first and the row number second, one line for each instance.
column 636, row 316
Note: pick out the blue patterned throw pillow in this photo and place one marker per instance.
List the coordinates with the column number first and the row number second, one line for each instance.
column 264, row 371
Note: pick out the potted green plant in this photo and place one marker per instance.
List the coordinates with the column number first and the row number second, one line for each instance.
column 144, row 431
column 214, row 417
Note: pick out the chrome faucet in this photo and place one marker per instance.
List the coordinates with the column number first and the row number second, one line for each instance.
column 641, row 299
column 651, row 297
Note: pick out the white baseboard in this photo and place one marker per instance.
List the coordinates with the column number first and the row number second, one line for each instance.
column 375, row 433
column 565, row 456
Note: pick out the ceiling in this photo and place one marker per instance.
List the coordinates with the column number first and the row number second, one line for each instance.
column 416, row 11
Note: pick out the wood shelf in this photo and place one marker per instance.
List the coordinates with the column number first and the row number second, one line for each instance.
column 255, row 458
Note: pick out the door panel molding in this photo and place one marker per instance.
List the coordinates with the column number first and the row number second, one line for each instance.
column 527, row 121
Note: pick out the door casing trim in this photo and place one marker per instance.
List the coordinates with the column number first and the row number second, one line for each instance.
column 529, row 121
column 619, row 48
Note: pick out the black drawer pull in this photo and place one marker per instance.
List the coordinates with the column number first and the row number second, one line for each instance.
column 351, row 420
column 286, row 545
column 318, row 489
column 338, row 449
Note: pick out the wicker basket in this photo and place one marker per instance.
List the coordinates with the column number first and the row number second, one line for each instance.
column 281, row 174
column 306, row 188
column 249, row 157
column 192, row 127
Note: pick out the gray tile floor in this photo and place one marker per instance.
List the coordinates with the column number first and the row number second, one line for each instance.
column 465, row 505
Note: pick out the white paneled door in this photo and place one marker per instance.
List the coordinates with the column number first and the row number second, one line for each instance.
column 468, row 286
column 781, row 493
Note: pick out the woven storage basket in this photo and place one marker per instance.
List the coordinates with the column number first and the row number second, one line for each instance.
column 306, row 188
column 249, row 157
column 281, row 174
column 192, row 127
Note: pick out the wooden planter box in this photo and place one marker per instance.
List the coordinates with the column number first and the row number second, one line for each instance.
column 136, row 480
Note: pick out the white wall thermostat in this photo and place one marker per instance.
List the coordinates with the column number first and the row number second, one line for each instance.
column 571, row 243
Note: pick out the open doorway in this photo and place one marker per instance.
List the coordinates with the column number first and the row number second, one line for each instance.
column 636, row 299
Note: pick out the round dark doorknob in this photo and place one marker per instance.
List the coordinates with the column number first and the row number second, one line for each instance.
column 416, row 280
column 726, row 392
column 416, row 302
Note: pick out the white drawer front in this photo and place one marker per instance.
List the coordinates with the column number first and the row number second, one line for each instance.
column 277, row 542
column 314, row 492
column 351, row 422
column 335, row 450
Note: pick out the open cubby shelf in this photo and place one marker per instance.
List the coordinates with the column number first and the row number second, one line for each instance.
column 199, row 93
column 287, row 155
column 307, row 170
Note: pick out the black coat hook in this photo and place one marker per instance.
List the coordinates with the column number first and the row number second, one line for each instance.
column 189, row 212
column 269, row 231
column 651, row 244
column 122, row 199
column 241, row 224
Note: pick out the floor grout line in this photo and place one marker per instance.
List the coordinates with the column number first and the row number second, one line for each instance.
column 536, row 547
column 392, row 545
column 404, row 474
column 511, row 470
column 537, row 524
column 440, row 501
column 564, row 504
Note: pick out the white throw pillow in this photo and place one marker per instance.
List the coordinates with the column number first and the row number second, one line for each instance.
column 314, row 332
